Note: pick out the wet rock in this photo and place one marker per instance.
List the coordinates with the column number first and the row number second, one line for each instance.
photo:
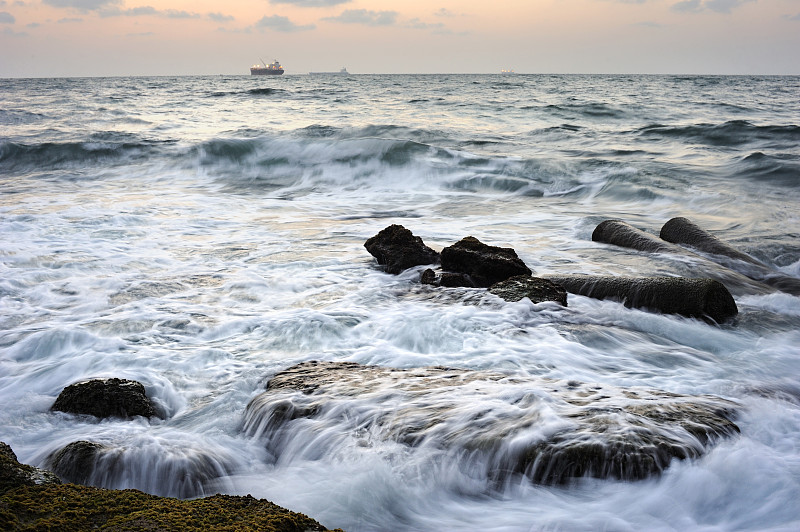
column 694, row 298
column 14, row 474
column 683, row 231
column 491, row 424
column 536, row 289
column 105, row 398
column 75, row 462
column 397, row 249
column 625, row 235
column 485, row 265
column 70, row 507
column 446, row 279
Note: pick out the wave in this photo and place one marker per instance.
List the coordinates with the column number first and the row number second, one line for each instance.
column 731, row 133
column 108, row 148
column 779, row 169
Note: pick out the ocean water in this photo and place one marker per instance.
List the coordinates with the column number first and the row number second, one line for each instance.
column 201, row 234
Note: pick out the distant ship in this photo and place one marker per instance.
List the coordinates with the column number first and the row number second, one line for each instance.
column 342, row 72
column 507, row 72
column 272, row 69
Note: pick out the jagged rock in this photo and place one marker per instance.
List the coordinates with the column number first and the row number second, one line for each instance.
column 695, row 298
column 397, row 249
column 485, row 265
column 446, row 279
column 499, row 426
column 14, row 474
column 534, row 288
column 105, row 398
column 683, row 231
column 623, row 234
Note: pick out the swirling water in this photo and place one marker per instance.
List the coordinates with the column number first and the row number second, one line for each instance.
column 200, row 234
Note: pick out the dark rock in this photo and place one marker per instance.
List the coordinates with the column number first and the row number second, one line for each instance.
column 534, row 288
column 695, row 298
column 485, row 265
column 105, row 398
column 683, row 231
column 75, row 462
column 492, row 424
column 625, row 235
column 446, row 279
column 14, row 474
column 397, row 249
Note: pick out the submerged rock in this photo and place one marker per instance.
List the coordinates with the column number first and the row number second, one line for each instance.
column 14, row 474
column 485, row 265
column 105, row 398
column 446, row 279
column 489, row 424
column 397, row 249
column 625, row 235
column 694, row 298
column 536, row 289
column 683, row 231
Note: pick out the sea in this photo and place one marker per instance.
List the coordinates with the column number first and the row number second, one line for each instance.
column 201, row 234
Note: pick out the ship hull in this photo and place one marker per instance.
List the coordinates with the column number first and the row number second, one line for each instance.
column 266, row 71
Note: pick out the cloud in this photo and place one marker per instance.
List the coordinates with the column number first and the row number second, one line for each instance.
column 310, row 3
column 649, row 24
column 145, row 11
column 718, row 6
column 82, row 5
column 365, row 17
column 32, row 25
column 444, row 12
column 280, row 23
column 7, row 18
column 417, row 24
column 219, row 17
column 792, row 17
column 11, row 33
column 173, row 13
column 69, row 20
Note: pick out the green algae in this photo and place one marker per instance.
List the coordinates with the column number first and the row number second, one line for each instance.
column 70, row 507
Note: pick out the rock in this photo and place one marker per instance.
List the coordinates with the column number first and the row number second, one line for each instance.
column 13, row 474
column 485, row 265
column 493, row 425
column 73, row 508
column 534, row 288
column 105, row 398
column 75, row 462
column 397, row 249
column 625, row 235
column 695, row 298
column 446, row 279
column 683, row 231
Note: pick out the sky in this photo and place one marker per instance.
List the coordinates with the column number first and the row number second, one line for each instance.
column 44, row 38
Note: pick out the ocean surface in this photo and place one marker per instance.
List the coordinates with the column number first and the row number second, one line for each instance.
column 201, row 234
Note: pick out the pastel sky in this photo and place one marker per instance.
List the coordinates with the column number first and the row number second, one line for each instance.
column 182, row 37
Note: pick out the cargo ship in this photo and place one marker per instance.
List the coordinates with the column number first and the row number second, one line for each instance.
column 342, row 72
column 272, row 69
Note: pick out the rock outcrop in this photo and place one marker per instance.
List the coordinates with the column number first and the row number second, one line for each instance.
column 536, row 289
column 491, row 424
column 397, row 249
column 34, row 499
column 104, row 398
column 694, row 298
column 485, row 265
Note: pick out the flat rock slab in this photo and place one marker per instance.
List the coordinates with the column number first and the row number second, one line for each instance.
column 104, row 398
column 536, row 289
column 499, row 426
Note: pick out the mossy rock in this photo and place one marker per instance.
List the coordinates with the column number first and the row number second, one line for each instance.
column 69, row 507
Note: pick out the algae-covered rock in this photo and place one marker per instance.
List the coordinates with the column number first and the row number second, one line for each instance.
column 105, row 398
column 484, row 264
column 536, row 289
column 490, row 424
column 69, row 507
column 14, row 474
column 397, row 249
